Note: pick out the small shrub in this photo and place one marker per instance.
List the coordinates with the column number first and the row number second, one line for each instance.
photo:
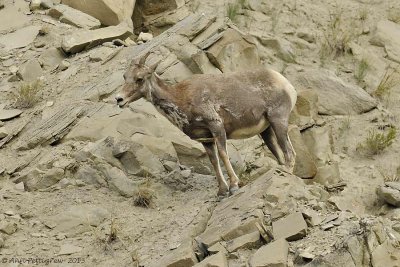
column 144, row 197
column 336, row 39
column 389, row 177
column 112, row 236
column 376, row 142
column 234, row 8
column 361, row 70
column 389, row 80
column 27, row 95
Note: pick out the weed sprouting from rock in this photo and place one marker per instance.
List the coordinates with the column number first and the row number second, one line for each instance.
column 376, row 141
column 27, row 95
column 361, row 70
column 389, row 80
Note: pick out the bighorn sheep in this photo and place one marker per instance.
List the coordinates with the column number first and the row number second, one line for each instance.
column 214, row 108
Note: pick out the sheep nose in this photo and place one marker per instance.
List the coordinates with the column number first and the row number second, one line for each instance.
column 119, row 99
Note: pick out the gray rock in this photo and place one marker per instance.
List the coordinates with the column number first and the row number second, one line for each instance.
column 248, row 241
column 109, row 12
column 118, row 181
column 100, row 54
column 328, row 174
column 183, row 256
column 305, row 166
column 305, row 111
column 35, row 178
column 390, row 193
column 30, row 71
column 3, row 132
column 20, row 38
column 283, row 48
column 89, row 175
column 387, row 35
column 291, row 228
column 78, row 219
column 51, row 58
column 193, row 157
column 85, row 39
column 74, row 17
column 145, row 37
column 217, row 260
column 8, row 114
column 274, row 254
column 12, row 18
column 64, row 65
column 306, row 34
column 233, row 52
column 335, row 97
column 8, row 227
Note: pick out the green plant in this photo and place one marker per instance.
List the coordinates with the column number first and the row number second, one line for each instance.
column 361, row 70
column 233, row 9
column 376, row 142
column 345, row 125
column 27, row 95
column 389, row 80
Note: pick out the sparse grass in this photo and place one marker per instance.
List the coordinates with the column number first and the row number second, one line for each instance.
column 233, row 9
column 394, row 15
column 345, row 125
column 376, row 142
column 363, row 14
column 112, row 236
column 144, row 196
column 336, row 39
column 389, row 177
column 27, row 95
column 389, row 80
column 361, row 70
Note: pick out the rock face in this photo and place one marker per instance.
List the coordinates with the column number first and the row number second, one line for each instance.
column 387, row 35
column 20, row 38
column 109, row 12
column 81, row 40
column 390, row 193
column 233, row 52
column 335, row 97
column 74, row 17
column 274, row 254
column 291, row 228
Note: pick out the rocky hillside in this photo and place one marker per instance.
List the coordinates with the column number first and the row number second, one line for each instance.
column 84, row 183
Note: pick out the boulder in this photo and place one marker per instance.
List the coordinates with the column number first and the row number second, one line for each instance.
column 51, row 58
column 193, row 156
column 319, row 142
column 30, row 71
column 233, row 52
column 387, row 35
column 183, row 256
column 282, row 47
column 305, row 166
column 390, row 193
column 217, row 260
column 74, row 17
column 118, row 181
column 77, row 219
column 248, row 241
column 8, row 114
column 328, row 174
column 85, row 39
column 293, row 227
column 109, row 12
column 305, row 111
column 101, row 54
column 20, row 38
column 12, row 18
column 36, row 178
column 274, row 254
column 8, row 227
column 335, row 96
column 3, row 132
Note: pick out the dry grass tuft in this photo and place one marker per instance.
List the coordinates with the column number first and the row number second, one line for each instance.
column 389, row 80
column 27, row 95
column 144, row 197
column 394, row 15
column 389, row 177
column 336, row 39
column 112, row 236
column 361, row 70
column 376, row 142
